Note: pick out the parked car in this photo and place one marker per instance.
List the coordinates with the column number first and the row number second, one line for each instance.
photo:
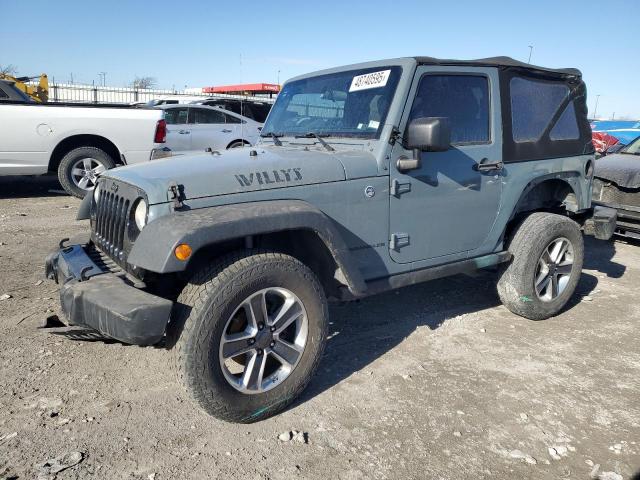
column 252, row 109
column 624, row 130
column 369, row 177
column 617, row 185
column 78, row 142
column 199, row 127
column 172, row 100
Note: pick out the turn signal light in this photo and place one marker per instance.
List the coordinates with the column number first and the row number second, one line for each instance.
column 183, row 251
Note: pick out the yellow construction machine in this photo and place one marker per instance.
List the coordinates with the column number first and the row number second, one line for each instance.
column 39, row 92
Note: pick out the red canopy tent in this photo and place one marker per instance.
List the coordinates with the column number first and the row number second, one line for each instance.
column 244, row 89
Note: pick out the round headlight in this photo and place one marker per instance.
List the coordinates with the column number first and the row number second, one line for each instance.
column 140, row 214
column 96, row 193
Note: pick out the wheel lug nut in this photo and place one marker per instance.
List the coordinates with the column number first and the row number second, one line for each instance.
column 272, row 344
column 261, row 326
column 259, row 351
column 252, row 341
column 273, row 329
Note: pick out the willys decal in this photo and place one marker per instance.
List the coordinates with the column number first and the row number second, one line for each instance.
column 271, row 176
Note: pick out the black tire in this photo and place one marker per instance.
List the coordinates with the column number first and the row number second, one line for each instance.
column 516, row 286
column 70, row 160
column 237, row 144
column 200, row 318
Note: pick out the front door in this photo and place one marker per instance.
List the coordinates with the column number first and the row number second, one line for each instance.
column 447, row 207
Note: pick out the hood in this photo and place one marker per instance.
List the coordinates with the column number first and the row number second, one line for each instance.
column 231, row 171
column 619, row 168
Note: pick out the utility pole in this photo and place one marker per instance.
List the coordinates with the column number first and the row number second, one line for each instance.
column 103, row 75
column 278, row 77
column 595, row 110
column 530, row 51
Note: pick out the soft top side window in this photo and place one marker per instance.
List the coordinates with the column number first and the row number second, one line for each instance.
column 533, row 106
column 567, row 126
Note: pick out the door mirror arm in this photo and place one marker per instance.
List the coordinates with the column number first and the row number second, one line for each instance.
column 405, row 164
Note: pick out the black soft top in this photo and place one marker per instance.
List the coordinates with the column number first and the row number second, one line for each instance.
column 501, row 62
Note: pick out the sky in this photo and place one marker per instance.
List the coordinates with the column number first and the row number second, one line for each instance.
column 202, row 43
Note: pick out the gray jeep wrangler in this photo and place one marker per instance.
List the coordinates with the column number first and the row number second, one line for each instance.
column 368, row 177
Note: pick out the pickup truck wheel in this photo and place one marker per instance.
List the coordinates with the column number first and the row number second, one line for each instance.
column 548, row 252
column 237, row 144
column 251, row 329
column 79, row 169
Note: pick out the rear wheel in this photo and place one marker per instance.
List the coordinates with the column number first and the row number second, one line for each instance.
column 251, row 330
column 79, row 169
column 548, row 252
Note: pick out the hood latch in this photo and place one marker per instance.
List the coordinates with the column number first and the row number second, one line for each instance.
column 176, row 195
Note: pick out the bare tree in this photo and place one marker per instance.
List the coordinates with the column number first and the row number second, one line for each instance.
column 9, row 70
column 144, row 82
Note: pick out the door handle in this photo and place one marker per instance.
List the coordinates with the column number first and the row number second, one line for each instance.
column 225, row 130
column 486, row 166
column 184, row 132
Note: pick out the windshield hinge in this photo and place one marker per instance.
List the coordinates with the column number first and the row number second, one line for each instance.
column 175, row 195
column 395, row 134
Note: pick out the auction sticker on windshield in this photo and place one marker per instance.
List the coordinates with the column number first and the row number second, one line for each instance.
column 369, row 80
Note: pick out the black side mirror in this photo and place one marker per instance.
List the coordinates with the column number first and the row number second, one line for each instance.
column 424, row 134
column 428, row 134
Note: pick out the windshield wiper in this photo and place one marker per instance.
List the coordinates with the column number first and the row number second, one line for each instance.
column 319, row 138
column 274, row 136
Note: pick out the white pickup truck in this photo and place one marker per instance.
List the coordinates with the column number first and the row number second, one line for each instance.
column 78, row 142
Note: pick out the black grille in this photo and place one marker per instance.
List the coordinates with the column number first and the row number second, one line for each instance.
column 610, row 193
column 112, row 215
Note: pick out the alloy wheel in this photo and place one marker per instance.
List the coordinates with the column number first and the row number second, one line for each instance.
column 85, row 172
column 263, row 340
column 554, row 269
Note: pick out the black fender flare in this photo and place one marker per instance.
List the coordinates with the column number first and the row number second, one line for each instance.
column 154, row 248
column 568, row 177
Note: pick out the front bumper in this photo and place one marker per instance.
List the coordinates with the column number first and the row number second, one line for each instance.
column 103, row 301
column 601, row 222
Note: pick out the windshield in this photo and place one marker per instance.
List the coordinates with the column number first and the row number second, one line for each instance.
column 633, row 148
column 346, row 104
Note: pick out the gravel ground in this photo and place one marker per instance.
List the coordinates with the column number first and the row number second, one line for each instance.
column 433, row 381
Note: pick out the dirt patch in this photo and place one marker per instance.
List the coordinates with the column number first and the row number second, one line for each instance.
column 432, row 381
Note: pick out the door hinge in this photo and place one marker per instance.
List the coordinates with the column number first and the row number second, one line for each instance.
column 395, row 134
column 398, row 188
column 398, row 240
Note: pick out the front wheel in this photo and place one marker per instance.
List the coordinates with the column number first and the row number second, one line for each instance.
column 250, row 332
column 548, row 252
